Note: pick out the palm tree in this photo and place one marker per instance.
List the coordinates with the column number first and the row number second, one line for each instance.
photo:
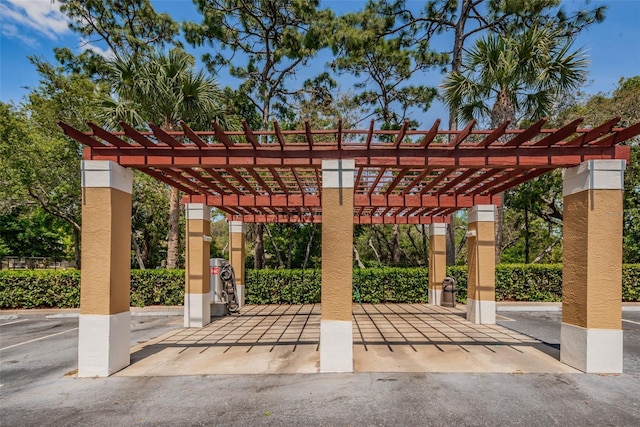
column 163, row 89
column 516, row 78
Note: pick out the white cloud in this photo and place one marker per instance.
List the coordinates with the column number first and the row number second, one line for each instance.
column 105, row 53
column 12, row 31
column 29, row 16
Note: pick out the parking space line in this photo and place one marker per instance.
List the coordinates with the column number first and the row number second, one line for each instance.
column 15, row 321
column 37, row 339
column 631, row 321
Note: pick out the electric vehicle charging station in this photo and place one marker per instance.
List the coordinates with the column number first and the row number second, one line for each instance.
column 222, row 288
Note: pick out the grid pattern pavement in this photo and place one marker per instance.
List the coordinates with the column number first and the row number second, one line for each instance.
column 279, row 339
column 373, row 324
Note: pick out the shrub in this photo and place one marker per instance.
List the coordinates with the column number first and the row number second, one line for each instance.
column 519, row 282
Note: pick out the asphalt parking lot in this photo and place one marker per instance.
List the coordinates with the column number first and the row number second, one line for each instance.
column 38, row 387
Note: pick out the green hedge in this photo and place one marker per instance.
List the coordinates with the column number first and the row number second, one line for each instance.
column 518, row 282
column 61, row 288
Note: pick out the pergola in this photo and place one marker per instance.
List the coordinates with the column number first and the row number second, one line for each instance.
column 343, row 176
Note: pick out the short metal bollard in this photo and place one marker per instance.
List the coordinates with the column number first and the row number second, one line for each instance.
column 449, row 292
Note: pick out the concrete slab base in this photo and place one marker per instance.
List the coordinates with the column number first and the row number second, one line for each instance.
column 387, row 338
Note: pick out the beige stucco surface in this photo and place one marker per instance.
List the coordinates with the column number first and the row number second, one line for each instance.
column 197, row 257
column 106, row 251
column 592, row 259
column 437, row 261
column 481, row 261
column 337, row 254
column 237, row 256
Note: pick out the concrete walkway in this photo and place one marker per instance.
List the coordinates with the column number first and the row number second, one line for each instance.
column 276, row 339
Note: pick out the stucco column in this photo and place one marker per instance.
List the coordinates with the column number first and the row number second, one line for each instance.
column 591, row 332
column 336, row 336
column 481, row 291
column 104, row 324
column 237, row 256
column 437, row 261
column 197, row 308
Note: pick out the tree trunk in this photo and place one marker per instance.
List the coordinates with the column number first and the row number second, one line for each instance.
column 424, row 244
column 258, row 260
column 526, row 236
column 309, row 244
column 374, row 250
column 395, row 260
column 356, row 255
column 174, row 228
column 136, row 249
column 451, row 241
column 498, row 234
column 76, row 247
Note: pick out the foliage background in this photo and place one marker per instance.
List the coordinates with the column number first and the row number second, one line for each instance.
column 519, row 282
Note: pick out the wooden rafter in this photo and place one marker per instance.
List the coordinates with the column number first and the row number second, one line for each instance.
column 402, row 175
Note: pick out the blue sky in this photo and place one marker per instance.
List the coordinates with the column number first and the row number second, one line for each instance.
column 35, row 27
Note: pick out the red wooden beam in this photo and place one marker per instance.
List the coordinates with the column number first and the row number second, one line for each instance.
column 82, row 138
column 358, row 177
column 177, row 176
column 463, row 134
column 618, row 137
column 376, row 181
column 558, row 135
column 396, row 181
column 282, row 185
column 593, row 134
column 435, row 181
column 278, row 133
column 164, row 136
column 307, row 131
column 457, row 180
column 370, row 135
column 417, row 180
column 221, row 135
column 108, row 136
column 297, row 179
column 428, row 138
column 259, row 180
column 523, row 178
column 207, row 183
column 527, row 134
column 248, row 133
column 167, row 180
column 495, row 135
column 242, row 181
column 401, row 133
column 482, row 177
column 215, row 175
column 137, row 136
column 193, row 137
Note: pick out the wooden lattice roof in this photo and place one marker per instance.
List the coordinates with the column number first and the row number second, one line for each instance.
column 402, row 176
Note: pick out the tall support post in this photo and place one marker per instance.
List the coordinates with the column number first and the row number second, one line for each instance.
column 197, row 301
column 104, row 324
column 591, row 331
column 336, row 335
column 481, row 291
column 437, row 261
column 237, row 256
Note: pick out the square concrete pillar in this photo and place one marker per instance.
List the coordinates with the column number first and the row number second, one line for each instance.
column 481, row 256
column 104, row 324
column 237, row 256
column 336, row 335
column 591, row 331
column 197, row 308
column 437, row 261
